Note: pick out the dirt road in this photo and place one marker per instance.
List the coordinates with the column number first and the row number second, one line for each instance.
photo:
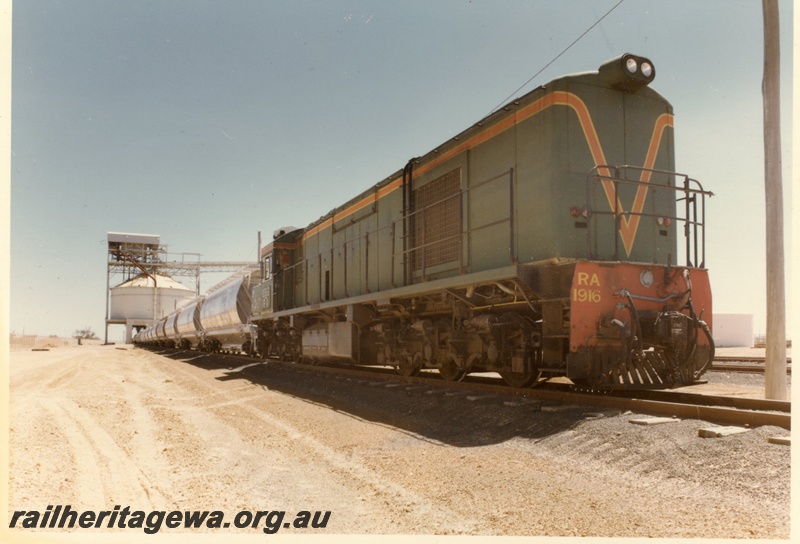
column 95, row 427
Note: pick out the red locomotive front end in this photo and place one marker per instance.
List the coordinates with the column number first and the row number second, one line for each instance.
column 638, row 325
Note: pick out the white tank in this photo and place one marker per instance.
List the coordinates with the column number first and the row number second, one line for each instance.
column 134, row 299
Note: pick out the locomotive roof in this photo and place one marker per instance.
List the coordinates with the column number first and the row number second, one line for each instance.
column 593, row 77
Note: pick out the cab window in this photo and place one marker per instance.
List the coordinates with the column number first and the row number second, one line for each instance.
column 266, row 267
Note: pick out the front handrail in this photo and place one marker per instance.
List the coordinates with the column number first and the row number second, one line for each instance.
column 693, row 220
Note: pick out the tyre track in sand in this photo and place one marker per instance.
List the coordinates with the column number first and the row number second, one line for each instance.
column 104, row 466
column 409, row 511
column 160, row 434
column 106, row 474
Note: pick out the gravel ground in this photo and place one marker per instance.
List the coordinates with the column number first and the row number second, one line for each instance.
column 735, row 384
column 95, row 427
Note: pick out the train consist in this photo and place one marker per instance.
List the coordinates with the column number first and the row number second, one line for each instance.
column 551, row 238
column 218, row 321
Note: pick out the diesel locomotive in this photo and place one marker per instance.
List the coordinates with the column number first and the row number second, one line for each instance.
column 551, row 238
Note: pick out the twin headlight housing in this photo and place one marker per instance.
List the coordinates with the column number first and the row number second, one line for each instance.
column 628, row 72
column 633, row 66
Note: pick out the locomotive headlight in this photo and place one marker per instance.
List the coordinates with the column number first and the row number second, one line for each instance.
column 646, row 277
column 627, row 72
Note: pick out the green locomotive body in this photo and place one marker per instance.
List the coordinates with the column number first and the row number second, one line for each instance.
column 475, row 256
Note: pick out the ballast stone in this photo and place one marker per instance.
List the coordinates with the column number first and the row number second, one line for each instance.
column 780, row 440
column 653, row 420
column 523, row 402
column 718, row 432
column 560, row 407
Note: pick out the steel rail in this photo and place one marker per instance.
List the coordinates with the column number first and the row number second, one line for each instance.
column 736, row 411
column 715, row 414
column 696, row 399
column 730, row 359
column 743, row 368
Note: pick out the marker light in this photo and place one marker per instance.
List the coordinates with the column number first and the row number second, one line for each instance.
column 575, row 211
column 663, row 221
column 646, row 278
column 631, row 65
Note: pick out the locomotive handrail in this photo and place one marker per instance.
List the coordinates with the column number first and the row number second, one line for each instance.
column 659, row 171
column 626, row 293
column 693, row 221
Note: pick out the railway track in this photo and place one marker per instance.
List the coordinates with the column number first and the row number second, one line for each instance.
column 742, row 368
column 744, row 364
column 723, row 410
column 728, row 359
column 716, row 409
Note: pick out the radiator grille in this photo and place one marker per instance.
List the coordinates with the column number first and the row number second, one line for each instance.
column 437, row 221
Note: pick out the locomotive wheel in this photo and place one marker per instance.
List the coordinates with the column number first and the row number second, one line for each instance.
column 520, row 379
column 408, row 366
column 289, row 355
column 451, row 372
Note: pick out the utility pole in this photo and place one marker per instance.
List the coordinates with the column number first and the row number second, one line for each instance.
column 775, row 367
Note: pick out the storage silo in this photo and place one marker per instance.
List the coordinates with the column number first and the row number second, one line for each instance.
column 145, row 299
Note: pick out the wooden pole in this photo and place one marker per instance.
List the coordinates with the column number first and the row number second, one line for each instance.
column 775, row 371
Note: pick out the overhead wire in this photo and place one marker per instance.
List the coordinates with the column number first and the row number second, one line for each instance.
column 585, row 32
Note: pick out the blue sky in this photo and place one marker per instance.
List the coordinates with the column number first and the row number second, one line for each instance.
column 206, row 121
